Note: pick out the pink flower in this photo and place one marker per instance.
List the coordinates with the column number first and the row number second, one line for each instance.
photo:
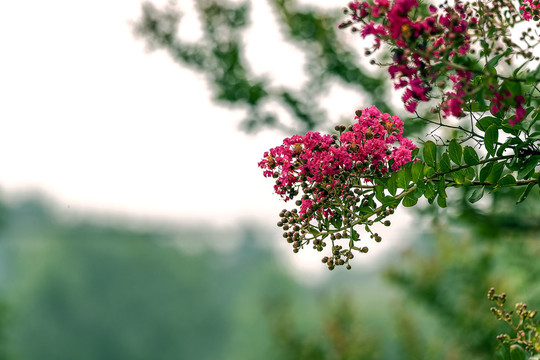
column 323, row 166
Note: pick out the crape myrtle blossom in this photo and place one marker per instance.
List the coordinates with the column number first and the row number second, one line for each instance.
column 419, row 47
column 431, row 52
column 326, row 167
column 530, row 10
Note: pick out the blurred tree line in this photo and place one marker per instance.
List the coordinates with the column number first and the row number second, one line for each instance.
column 86, row 290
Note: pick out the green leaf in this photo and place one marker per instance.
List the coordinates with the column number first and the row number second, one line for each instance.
column 379, row 192
column 485, row 171
column 496, row 173
column 420, row 189
column 455, row 150
column 479, row 105
column 494, row 61
column 477, row 194
column 516, row 71
column 314, row 232
column 491, row 138
column 441, row 201
column 529, row 166
column 338, row 222
column 511, row 141
column 444, row 164
column 401, row 179
column 392, row 184
column 486, row 122
column 390, row 201
column 507, row 180
column 470, row 156
column 430, row 153
column 417, row 172
column 525, row 193
column 409, row 200
column 430, row 190
column 469, row 173
column 502, row 353
column 428, row 171
column 517, row 353
column 458, row 177
column 441, row 186
column 513, row 86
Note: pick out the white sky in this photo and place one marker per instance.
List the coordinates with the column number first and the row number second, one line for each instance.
column 94, row 122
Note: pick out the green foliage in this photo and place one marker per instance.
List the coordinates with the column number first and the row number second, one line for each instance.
column 524, row 343
column 220, row 57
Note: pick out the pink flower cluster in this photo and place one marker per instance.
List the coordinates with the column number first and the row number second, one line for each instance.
column 325, row 166
column 529, row 8
column 421, row 47
column 503, row 101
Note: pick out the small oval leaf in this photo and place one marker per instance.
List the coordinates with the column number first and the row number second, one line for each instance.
column 430, row 153
column 444, row 164
column 455, row 150
column 477, row 194
column 470, row 156
column 490, row 139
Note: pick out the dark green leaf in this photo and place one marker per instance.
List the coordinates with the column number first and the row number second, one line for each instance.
column 390, row 201
column 455, row 150
column 470, row 156
column 529, row 166
column 417, row 172
column 491, row 138
column 477, row 194
column 525, row 193
column 409, row 200
column 485, row 171
column 338, row 222
column 458, row 177
column 507, row 180
column 469, row 173
column 502, row 353
column 420, row 189
column 430, row 153
column 444, row 164
column 517, row 353
column 486, row 122
column 441, row 201
column 392, row 184
column 428, row 171
column 495, row 173
column 494, row 61
column 441, row 186
column 430, row 190
column 401, row 179
column 379, row 192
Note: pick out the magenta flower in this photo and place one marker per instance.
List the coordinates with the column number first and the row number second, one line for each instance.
column 323, row 165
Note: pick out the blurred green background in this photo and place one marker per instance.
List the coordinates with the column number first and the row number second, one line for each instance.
column 87, row 287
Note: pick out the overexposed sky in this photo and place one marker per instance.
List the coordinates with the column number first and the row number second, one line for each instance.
column 95, row 122
column 100, row 126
